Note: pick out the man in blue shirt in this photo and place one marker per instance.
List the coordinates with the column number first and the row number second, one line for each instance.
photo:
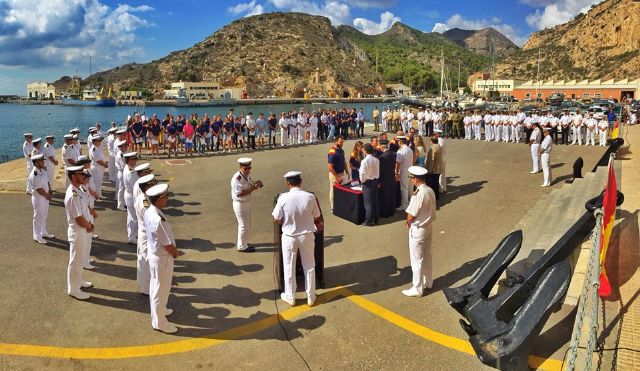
column 611, row 117
column 336, row 166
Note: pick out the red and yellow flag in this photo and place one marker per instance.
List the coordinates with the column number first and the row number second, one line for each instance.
column 608, row 219
column 616, row 130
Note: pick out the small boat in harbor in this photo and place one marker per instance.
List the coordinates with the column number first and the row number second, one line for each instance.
column 90, row 97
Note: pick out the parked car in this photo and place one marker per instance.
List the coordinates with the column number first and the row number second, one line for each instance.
column 597, row 111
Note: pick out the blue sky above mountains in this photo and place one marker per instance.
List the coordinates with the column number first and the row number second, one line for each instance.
column 43, row 40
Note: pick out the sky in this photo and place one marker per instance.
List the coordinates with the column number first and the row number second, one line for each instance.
column 46, row 39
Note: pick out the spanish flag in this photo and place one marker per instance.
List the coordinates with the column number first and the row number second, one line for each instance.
column 616, row 130
column 608, row 219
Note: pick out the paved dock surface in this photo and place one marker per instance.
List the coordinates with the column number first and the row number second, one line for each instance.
column 224, row 300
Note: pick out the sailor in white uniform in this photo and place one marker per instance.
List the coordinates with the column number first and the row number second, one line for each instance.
column 161, row 253
column 40, row 196
column 534, row 143
column 78, row 231
column 111, row 149
column 98, row 164
column 27, row 148
column 404, row 159
column 121, row 146
column 69, row 155
column 142, row 204
column 242, row 188
column 443, row 175
column 129, row 177
column 421, row 213
column 50, row 162
column 603, row 126
column 142, row 170
column 545, row 157
column 299, row 214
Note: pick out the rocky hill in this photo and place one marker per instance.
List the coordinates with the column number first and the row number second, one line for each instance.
column 412, row 57
column 482, row 41
column 604, row 43
column 282, row 53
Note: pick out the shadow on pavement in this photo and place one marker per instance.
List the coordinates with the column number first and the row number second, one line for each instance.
column 216, row 266
column 454, row 192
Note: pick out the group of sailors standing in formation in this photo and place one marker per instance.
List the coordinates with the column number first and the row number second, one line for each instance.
column 143, row 198
column 508, row 126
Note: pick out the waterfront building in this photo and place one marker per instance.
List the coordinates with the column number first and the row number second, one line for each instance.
column 202, row 90
column 40, row 90
column 398, row 90
column 494, row 88
column 579, row 89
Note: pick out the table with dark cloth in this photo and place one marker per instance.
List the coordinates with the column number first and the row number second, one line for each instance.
column 348, row 203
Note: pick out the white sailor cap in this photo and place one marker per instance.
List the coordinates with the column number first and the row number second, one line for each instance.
column 146, row 179
column 74, row 136
column 39, row 156
column 129, row 155
column 75, row 169
column 36, row 141
column 142, row 167
column 28, row 134
column 96, row 137
column 74, row 130
column 121, row 143
column 68, row 136
column 546, row 129
column 244, row 161
column 292, row 174
column 437, row 131
column 83, row 160
column 401, row 137
column 417, row 171
column 121, row 131
column 49, row 137
column 93, row 128
column 112, row 130
column 157, row 190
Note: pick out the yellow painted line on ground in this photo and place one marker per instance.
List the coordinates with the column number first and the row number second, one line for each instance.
column 447, row 341
column 239, row 332
column 174, row 347
column 12, row 191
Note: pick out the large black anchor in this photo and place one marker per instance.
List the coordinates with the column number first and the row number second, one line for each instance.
column 503, row 328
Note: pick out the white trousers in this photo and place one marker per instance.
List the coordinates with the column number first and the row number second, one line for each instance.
column 467, row 132
column 443, row 178
column 40, row 210
column 384, row 125
column 535, row 157
column 51, row 173
column 591, row 137
column 405, row 186
column 575, row 131
column 143, row 276
column 506, row 131
column 161, row 271
column 603, row 137
column 78, row 242
column 488, row 132
column 421, row 131
column 291, row 246
column 243, row 215
column 313, row 137
column 497, row 133
column 545, row 159
column 97, row 172
column 113, row 172
column 29, row 168
column 301, row 132
column 516, row 133
column 476, row 131
column 283, row 137
column 120, row 190
column 420, row 255
column 132, row 218
column 293, row 134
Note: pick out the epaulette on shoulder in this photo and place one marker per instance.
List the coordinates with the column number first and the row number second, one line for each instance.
column 74, row 193
column 332, row 151
column 239, row 177
column 163, row 219
column 145, row 203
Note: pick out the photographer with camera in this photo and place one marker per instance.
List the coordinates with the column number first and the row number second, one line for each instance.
column 242, row 186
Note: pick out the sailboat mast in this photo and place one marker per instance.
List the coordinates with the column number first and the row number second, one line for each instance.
column 459, row 66
column 441, row 71
column 89, row 65
column 538, row 76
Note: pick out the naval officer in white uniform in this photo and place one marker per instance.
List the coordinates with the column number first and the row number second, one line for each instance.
column 142, row 204
column 38, row 183
column 129, row 177
column 421, row 214
column 298, row 212
column 545, row 157
column 78, row 232
column 242, row 188
column 161, row 254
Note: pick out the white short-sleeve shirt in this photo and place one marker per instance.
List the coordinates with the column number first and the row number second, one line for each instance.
column 422, row 206
column 297, row 209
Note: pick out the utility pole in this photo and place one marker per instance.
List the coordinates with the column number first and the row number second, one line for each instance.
column 538, row 76
column 459, row 66
column 89, row 65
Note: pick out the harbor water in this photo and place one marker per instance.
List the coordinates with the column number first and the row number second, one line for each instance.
column 42, row 120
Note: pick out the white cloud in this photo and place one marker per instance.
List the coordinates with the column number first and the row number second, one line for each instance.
column 371, row 3
column 338, row 12
column 65, row 32
column 387, row 19
column 248, row 9
column 458, row 21
column 555, row 12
